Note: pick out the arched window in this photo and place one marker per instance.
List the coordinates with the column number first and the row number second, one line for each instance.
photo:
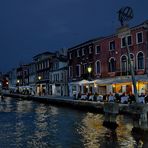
column 124, row 64
column 98, row 67
column 112, row 65
column 140, row 58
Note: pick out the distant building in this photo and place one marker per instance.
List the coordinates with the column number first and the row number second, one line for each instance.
column 58, row 84
column 0, row 81
column 12, row 78
column 5, row 81
column 22, row 75
column 43, row 64
column 32, row 75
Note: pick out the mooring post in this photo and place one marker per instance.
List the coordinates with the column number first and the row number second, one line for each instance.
column 139, row 112
column 111, row 110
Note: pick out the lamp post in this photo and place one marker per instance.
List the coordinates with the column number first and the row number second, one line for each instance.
column 89, row 71
column 39, row 87
column 132, row 69
column 125, row 14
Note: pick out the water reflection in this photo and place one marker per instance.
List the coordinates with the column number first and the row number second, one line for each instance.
column 96, row 135
column 24, row 106
column 43, row 123
column 30, row 124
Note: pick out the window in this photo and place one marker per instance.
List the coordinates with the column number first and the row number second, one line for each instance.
column 78, row 53
column 48, row 63
column 57, row 77
column 98, row 49
column 129, row 40
column 139, row 37
column 70, row 71
column 83, row 51
column 124, row 64
column 123, row 41
column 98, row 67
column 78, row 71
column 84, row 68
column 112, row 45
column 140, row 58
column 90, row 49
column 112, row 65
column 70, row 55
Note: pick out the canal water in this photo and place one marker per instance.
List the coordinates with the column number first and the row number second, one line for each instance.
column 29, row 124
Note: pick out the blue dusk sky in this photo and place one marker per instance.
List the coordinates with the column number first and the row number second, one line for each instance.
column 29, row 27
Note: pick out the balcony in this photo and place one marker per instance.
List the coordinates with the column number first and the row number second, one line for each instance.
column 140, row 72
column 112, row 74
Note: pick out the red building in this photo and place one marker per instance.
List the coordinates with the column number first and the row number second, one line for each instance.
column 108, row 59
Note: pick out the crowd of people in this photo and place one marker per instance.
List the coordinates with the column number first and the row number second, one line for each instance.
column 113, row 97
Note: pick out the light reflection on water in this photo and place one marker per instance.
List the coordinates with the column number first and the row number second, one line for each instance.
column 30, row 124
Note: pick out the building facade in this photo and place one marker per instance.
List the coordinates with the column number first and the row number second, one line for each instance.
column 22, row 73
column 42, row 64
column 32, row 75
column 12, row 78
column 58, row 75
column 108, row 60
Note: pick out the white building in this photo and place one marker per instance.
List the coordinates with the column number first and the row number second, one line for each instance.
column 12, row 77
column 58, row 75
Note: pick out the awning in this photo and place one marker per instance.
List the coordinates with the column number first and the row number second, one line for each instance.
column 106, row 81
column 121, row 79
column 83, row 82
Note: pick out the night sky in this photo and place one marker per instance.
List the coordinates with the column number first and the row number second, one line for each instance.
column 29, row 27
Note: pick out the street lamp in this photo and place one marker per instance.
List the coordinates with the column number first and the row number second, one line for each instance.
column 39, row 77
column 89, row 70
column 18, row 81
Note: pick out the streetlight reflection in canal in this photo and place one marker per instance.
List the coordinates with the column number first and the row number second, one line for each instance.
column 26, row 123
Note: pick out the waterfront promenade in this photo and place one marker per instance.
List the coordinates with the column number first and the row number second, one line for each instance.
column 137, row 111
column 71, row 103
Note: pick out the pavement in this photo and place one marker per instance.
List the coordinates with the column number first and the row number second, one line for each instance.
column 55, row 97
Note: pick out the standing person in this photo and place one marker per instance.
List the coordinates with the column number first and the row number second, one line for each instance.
column 79, row 96
column 117, row 97
column 132, row 98
column 146, row 97
column 141, row 98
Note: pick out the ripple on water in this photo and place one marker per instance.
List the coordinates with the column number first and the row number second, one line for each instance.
column 30, row 124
